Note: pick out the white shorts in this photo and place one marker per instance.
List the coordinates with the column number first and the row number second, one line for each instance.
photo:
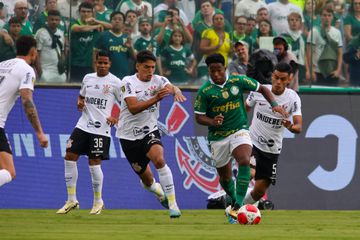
column 221, row 150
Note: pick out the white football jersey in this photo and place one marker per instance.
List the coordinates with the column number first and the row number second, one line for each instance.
column 266, row 130
column 15, row 74
column 100, row 94
column 133, row 127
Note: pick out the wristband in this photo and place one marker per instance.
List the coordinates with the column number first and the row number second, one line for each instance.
column 274, row 104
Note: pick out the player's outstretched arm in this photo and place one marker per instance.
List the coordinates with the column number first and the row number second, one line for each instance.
column 31, row 113
column 178, row 96
column 207, row 121
column 270, row 98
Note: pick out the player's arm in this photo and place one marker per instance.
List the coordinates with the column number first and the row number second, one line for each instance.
column 207, row 121
column 32, row 115
column 270, row 98
column 174, row 90
column 80, row 103
column 296, row 126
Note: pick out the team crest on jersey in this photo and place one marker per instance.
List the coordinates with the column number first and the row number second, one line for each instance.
column 152, row 90
column 225, row 94
column 106, row 89
column 234, row 90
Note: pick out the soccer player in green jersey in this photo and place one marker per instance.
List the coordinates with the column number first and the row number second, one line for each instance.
column 219, row 105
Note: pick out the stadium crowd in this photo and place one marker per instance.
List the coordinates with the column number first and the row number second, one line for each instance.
column 321, row 36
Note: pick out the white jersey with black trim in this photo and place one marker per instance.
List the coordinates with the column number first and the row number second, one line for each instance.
column 15, row 74
column 133, row 127
column 100, row 95
column 266, row 130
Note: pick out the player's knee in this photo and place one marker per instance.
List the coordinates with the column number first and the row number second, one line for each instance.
column 159, row 162
column 243, row 160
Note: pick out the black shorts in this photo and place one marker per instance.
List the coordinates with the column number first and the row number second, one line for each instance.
column 93, row 145
column 135, row 151
column 266, row 164
column 4, row 143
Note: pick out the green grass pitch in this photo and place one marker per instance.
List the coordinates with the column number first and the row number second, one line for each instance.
column 193, row 224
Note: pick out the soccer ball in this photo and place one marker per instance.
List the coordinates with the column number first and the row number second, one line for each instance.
column 249, row 214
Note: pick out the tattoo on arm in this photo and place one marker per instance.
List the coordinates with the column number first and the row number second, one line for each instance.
column 31, row 113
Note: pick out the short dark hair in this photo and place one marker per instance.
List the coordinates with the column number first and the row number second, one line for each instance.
column 86, row 5
column 130, row 11
column 15, row 20
column 102, row 53
column 24, row 44
column 54, row 13
column 215, row 58
column 175, row 9
column 144, row 56
column 284, row 67
column 116, row 13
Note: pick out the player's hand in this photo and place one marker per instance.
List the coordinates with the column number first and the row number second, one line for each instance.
column 179, row 97
column 90, row 21
column 43, row 140
column 286, row 123
column 281, row 110
column 162, row 93
column 80, row 104
column 218, row 120
column 112, row 121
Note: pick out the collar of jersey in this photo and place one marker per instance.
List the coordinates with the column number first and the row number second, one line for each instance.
column 222, row 85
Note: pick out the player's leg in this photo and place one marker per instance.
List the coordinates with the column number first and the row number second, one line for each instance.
column 7, row 167
column 148, row 182
column 241, row 148
column 156, row 156
column 261, row 185
column 74, row 148
column 226, row 181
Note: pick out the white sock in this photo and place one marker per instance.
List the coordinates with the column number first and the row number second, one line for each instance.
column 154, row 188
column 97, row 178
column 248, row 198
column 5, row 177
column 167, row 183
column 71, row 176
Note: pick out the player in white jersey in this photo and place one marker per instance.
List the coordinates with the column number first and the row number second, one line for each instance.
column 17, row 79
column 91, row 135
column 267, row 128
column 138, row 128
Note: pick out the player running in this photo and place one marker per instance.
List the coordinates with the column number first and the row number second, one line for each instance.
column 138, row 128
column 17, row 78
column 219, row 105
column 91, row 135
column 267, row 128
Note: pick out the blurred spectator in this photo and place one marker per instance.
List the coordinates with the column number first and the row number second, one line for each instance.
column 161, row 12
column 330, row 4
column 41, row 21
column 278, row 14
column 262, row 14
column 251, row 26
column 142, row 8
column 50, row 44
column 69, row 9
column 239, row 65
column 145, row 41
column 311, row 18
column 172, row 22
column 283, row 54
column 352, row 57
column 2, row 15
column 206, row 12
column 21, row 11
column 326, row 43
column 299, row 3
column 8, row 50
column 102, row 13
column 248, row 8
column 296, row 42
column 352, row 21
column 188, row 7
column 178, row 60
column 131, row 18
column 9, row 6
column 118, row 45
column 265, row 30
column 239, row 34
column 84, row 34
column 215, row 40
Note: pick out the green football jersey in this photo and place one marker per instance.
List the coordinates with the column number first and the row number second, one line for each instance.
column 227, row 100
column 119, row 53
column 176, row 61
column 41, row 22
column 82, row 45
column 104, row 16
column 26, row 29
column 146, row 44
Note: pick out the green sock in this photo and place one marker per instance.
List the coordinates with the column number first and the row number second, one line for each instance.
column 242, row 183
column 229, row 188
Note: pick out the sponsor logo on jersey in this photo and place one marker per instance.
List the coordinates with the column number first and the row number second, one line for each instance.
column 227, row 107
